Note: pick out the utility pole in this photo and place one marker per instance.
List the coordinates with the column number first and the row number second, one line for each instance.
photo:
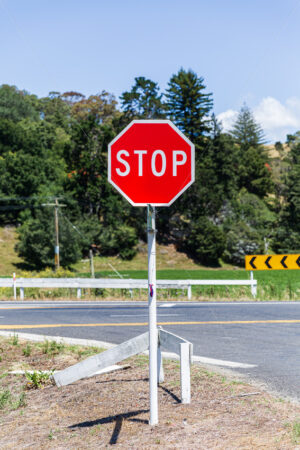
column 56, row 250
column 92, row 263
column 56, row 247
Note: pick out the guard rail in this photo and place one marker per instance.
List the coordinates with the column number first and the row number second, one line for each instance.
column 113, row 283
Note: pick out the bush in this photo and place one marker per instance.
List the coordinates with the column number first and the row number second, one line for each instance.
column 241, row 240
column 120, row 240
column 204, row 241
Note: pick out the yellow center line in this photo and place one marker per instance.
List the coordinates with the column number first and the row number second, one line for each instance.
column 143, row 324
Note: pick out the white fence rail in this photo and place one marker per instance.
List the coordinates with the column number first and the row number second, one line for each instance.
column 113, row 283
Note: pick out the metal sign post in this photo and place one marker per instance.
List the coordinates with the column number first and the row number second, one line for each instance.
column 153, row 341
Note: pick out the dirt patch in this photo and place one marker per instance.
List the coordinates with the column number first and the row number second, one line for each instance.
column 113, row 409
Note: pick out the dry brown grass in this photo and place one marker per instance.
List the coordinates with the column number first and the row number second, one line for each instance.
column 112, row 409
column 8, row 256
column 167, row 258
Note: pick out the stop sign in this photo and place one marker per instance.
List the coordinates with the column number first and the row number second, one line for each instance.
column 151, row 162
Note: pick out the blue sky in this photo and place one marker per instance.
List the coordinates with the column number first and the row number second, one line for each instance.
column 247, row 51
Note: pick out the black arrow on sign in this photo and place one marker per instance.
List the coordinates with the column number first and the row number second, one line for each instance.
column 298, row 261
column 267, row 262
column 283, row 263
column 252, row 262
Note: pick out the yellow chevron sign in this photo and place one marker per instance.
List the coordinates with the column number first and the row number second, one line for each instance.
column 272, row 262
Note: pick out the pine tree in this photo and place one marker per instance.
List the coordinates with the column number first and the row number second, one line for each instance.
column 143, row 101
column 254, row 169
column 188, row 105
column 246, row 132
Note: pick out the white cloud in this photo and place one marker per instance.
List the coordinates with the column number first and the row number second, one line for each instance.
column 276, row 119
column 228, row 118
column 271, row 114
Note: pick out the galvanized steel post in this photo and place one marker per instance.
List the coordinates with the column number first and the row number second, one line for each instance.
column 153, row 333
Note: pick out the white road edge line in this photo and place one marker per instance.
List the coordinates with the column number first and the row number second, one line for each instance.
column 107, row 345
column 167, row 305
column 142, row 315
column 220, row 362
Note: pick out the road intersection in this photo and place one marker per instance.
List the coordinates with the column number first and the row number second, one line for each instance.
column 258, row 339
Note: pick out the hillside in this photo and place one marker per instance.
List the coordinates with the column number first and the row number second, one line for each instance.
column 167, row 258
column 9, row 260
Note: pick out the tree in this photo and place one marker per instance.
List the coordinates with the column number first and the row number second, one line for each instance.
column 17, row 105
column 224, row 155
column 31, row 166
column 242, row 240
column 287, row 235
column 55, row 110
column 87, row 164
column 102, row 107
column 246, row 132
column 254, row 169
column 248, row 225
column 188, row 106
column 204, row 242
column 143, row 101
column 37, row 240
column 255, row 173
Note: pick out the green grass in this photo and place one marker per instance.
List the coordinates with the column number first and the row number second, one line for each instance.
column 272, row 285
column 5, row 397
column 296, row 432
column 37, row 379
column 27, row 350
column 8, row 401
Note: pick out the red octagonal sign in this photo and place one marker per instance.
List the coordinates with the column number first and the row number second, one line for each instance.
column 151, row 162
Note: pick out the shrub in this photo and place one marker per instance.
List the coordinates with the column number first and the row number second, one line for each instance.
column 204, row 241
column 121, row 240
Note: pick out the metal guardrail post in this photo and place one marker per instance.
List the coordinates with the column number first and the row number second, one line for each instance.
column 253, row 285
column 14, row 286
column 185, row 372
column 160, row 367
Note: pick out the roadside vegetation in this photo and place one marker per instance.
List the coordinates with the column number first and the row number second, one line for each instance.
column 53, row 153
column 113, row 408
column 171, row 264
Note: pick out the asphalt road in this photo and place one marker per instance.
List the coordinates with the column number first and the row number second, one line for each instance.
column 262, row 338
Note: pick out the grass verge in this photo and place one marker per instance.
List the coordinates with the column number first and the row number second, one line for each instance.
column 113, row 408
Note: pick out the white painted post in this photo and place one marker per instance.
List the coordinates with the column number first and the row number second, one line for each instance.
column 153, row 334
column 189, row 292
column 21, row 293
column 185, row 376
column 160, row 367
column 78, row 292
column 253, row 285
column 15, row 286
